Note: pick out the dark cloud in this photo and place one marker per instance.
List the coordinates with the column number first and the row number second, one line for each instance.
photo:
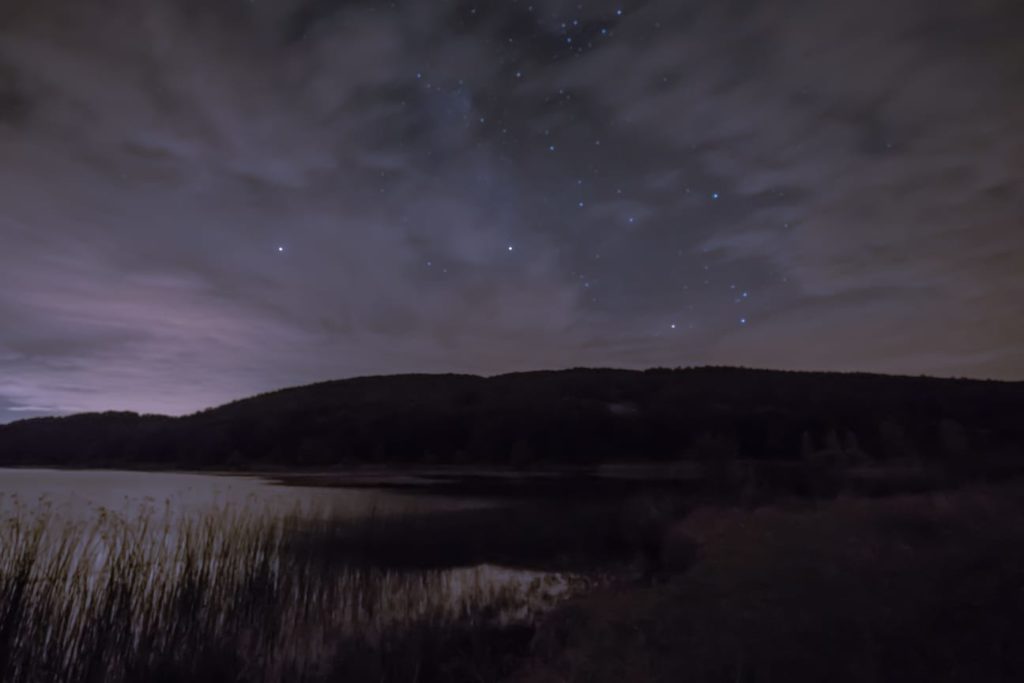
column 501, row 186
column 14, row 101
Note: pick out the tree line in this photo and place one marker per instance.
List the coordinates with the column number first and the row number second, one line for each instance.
column 579, row 416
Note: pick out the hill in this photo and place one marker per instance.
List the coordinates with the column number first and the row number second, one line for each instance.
column 578, row 416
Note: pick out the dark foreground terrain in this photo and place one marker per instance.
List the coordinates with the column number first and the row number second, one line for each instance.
column 910, row 588
column 917, row 587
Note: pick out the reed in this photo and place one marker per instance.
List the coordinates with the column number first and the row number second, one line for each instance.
column 229, row 596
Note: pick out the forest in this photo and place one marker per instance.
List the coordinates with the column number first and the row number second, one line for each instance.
column 570, row 417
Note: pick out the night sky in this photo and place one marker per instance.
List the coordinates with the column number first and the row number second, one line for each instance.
column 204, row 199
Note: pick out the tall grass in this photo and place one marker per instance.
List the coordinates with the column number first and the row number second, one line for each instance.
column 230, row 596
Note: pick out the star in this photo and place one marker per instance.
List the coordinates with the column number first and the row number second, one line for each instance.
column 446, row 166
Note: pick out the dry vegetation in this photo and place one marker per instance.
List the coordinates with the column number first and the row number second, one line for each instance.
column 912, row 588
column 230, row 598
column 923, row 587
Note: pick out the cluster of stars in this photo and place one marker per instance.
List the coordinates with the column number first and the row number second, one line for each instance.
column 496, row 114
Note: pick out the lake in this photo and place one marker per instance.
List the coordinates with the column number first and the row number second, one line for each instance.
column 81, row 493
column 309, row 571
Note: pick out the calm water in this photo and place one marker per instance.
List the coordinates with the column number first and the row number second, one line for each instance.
column 85, row 500
column 236, row 557
column 82, row 493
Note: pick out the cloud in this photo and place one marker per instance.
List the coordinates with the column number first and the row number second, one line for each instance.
column 879, row 158
column 157, row 155
column 166, row 160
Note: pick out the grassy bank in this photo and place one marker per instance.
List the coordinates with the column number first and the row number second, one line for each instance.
column 238, row 598
column 911, row 588
column 922, row 587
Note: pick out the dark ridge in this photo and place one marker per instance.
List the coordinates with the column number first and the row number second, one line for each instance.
column 568, row 417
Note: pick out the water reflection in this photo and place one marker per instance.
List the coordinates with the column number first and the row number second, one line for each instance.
column 81, row 493
column 149, row 560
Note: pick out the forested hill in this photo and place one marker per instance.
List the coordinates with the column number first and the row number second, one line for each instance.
column 572, row 416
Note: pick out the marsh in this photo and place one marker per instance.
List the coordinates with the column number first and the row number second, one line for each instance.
column 117, row 575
